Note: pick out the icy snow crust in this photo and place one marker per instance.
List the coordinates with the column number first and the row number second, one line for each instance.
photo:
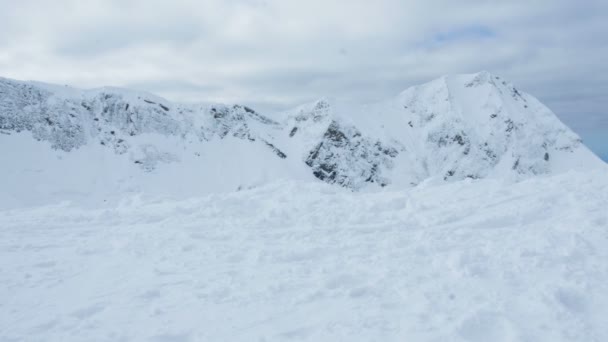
column 474, row 260
column 94, row 143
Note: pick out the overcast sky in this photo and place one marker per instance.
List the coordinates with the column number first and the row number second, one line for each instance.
column 276, row 54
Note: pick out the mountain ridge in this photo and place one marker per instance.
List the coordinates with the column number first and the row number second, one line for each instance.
column 452, row 128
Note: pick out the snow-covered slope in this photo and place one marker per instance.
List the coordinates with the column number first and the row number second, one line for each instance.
column 66, row 142
column 94, row 144
column 472, row 126
column 469, row 261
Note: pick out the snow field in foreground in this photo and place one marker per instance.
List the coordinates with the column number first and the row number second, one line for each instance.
column 467, row 261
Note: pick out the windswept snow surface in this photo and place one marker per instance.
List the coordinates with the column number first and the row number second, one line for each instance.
column 473, row 260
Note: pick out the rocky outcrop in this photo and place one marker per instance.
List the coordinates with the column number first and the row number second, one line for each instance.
column 345, row 157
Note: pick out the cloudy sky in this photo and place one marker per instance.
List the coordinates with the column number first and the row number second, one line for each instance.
column 275, row 54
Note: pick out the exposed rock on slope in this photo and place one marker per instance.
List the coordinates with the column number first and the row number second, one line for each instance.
column 345, row 157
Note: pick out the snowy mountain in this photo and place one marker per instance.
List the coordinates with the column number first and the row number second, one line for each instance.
column 69, row 142
column 126, row 217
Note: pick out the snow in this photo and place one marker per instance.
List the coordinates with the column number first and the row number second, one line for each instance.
column 94, row 175
column 474, row 260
